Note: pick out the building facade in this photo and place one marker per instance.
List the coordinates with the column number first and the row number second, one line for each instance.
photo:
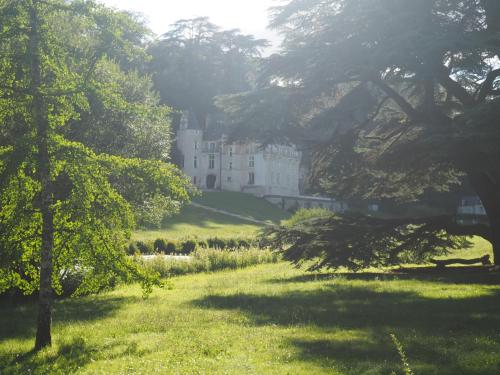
column 214, row 163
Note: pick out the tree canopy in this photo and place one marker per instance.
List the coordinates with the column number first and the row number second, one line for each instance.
column 195, row 61
column 67, row 192
column 395, row 98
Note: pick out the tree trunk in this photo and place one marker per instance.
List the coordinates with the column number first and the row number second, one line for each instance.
column 487, row 188
column 40, row 117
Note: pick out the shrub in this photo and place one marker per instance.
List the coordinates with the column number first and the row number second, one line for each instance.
column 72, row 279
column 160, row 245
column 188, row 247
column 132, row 249
column 232, row 244
column 171, row 247
column 202, row 244
column 216, row 243
column 244, row 244
column 145, row 248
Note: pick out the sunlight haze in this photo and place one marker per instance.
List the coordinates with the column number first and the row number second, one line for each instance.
column 251, row 17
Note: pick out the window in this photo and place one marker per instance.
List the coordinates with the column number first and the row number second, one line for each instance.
column 251, row 178
column 251, row 161
column 212, row 146
column 194, row 180
column 229, row 179
column 278, row 179
column 195, row 162
column 196, row 145
column 211, row 161
column 230, row 165
column 231, row 151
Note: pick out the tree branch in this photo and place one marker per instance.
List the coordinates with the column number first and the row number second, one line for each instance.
column 406, row 107
column 454, row 88
column 487, row 86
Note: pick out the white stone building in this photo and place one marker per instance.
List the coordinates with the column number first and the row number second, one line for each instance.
column 214, row 163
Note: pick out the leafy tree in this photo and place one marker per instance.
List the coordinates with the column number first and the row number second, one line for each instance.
column 196, row 61
column 397, row 98
column 63, row 206
column 123, row 116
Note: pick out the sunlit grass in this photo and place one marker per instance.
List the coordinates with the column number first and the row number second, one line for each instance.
column 269, row 319
column 194, row 221
column 200, row 223
column 243, row 204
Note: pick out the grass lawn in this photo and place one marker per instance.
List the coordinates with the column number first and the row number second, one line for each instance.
column 243, row 204
column 269, row 319
column 203, row 224
column 193, row 221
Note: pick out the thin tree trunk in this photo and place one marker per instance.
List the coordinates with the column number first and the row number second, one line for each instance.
column 40, row 117
column 488, row 189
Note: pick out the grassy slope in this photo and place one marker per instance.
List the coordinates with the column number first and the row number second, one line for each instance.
column 193, row 221
column 269, row 319
column 243, row 204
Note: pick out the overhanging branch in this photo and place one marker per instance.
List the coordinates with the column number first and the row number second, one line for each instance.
column 406, row 107
column 487, row 86
column 454, row 88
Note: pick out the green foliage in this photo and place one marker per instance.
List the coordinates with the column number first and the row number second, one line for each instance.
column 132, row 249
column 216, row 243
column 419, row 92
column 93, row 193
column 171, row 247
column 209, row 260
column 160, row 245
column 356, row 242
column 395, row 99
column 188, row 247
column 202, row 244
column 402, row 355
column 145, row 248
column 122, row 115
column 305, row 214
column 196, row 61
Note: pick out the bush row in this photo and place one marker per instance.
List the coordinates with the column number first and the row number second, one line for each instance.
column 187, row 247
column 208, row 260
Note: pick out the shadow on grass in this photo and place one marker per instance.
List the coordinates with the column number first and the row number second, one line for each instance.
column 18, row 320
column 436, row 332
column 453, row 275
column 68, row 358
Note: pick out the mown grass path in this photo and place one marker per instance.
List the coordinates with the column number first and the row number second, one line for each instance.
column 270, row 319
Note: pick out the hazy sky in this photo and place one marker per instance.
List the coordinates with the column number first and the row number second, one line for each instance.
column 250, row 16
